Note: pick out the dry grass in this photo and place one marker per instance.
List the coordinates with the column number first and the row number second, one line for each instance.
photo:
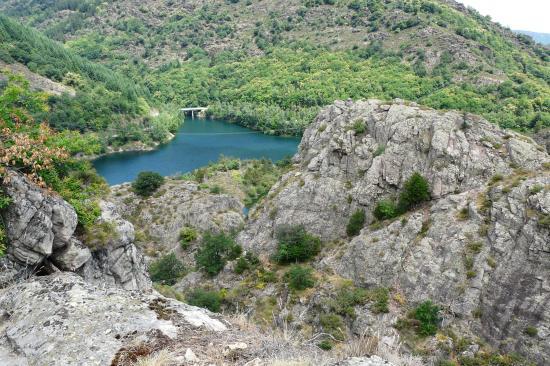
column 161, row 358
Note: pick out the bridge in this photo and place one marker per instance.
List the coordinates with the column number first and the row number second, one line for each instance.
column 200, row 111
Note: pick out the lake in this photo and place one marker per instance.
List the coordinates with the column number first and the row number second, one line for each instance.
column 197, row 143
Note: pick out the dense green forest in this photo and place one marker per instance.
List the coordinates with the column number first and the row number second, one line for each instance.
column 272, row 65
column 105, row 103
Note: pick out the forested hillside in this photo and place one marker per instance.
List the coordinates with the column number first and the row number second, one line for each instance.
column 112, row 108
column 271, row 65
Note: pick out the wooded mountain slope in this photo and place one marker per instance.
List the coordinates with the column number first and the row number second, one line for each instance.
column 271, row 64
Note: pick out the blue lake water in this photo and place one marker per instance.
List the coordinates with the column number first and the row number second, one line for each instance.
column 197, row 143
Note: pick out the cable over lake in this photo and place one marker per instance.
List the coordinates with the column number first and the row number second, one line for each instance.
column 197, row 143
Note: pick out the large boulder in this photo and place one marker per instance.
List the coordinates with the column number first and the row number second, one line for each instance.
column 40, row 228
column 63, row 320
column 40, row 225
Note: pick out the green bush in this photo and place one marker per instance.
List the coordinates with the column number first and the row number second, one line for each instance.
column 385, row 209
column 347, row 297
column 215, row 251
column 147, row 183
column 300, row 277
column 241, row 266
column 356, row 223
column 333, row 324
column 187, row 236
column 415, row 190
column 296, row 245
column 210, row 300
column 167, row 270
column 325, row 345
column 427, row 314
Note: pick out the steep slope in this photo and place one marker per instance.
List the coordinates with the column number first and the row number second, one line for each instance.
column 271, row 64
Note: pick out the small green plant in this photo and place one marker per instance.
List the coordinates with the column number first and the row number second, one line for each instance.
column 210, row 300
column 296, row 245
column 385, row 209
column 215, row 251
column 167, row 270
column 187, row 236
column 427, row 314
column 359, row 127
column 531, row 331
column 356, row 223
column 379, row 150
column 325, row 345
column 463, row 214
column 347, row 297
column 300, row 277
column 241, row 266
column 381, row 297
column 415, row 190
column 333, row 324
column 147, row 183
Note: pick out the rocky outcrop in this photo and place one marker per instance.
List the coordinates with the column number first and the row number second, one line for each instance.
column 479, row 247
column 356, row 153
column 177, row 204
column 117, row 261
column 40, row 228
column 63, row 320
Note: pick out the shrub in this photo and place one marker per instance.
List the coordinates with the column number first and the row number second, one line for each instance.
column 215, row 251
column 385, row 209
column 325, row 345
column 415, row 190
column 241, row 266
column 347, row 297
column 187, row 235
column 296, row 245
column 531, row 331
column 167, row 270
column 147, row 183
column 428, row 317
column 381, row 297
column 333, row 324
column 210, row 300
column 299, row 277
column 359, row 127
column 356, row 223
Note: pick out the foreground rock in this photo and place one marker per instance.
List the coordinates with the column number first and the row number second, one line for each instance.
column 62, row 320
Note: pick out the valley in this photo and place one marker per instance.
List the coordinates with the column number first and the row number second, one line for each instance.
column 368, row 185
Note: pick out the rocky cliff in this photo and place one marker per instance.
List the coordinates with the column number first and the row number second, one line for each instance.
column 480, row 247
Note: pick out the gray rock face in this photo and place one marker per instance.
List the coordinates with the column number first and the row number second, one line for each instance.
column 63, row 320
column 40, row 226
column 493, row 264
column 356, row 153
column 118, row 262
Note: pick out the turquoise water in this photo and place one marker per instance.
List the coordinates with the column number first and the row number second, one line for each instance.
column 197, row 143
